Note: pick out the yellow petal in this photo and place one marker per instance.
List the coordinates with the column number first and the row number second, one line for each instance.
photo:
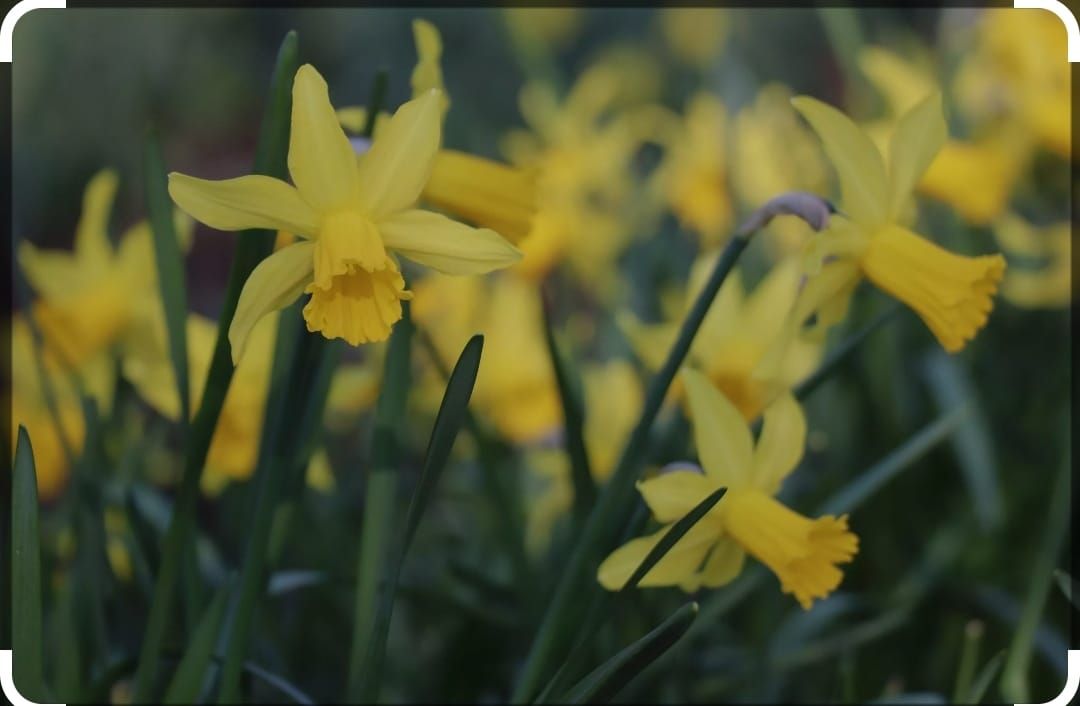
column 725, row 562
column 780, row 446
column 952, row 294
column 428, row 73
column 671, row 495
column 275, row 283
column 92, row 245
column 680, row 563
column 445, row 245
column 720, row 433
column 347, row 240
column 902, row 84
column 52, row 274
column 359, row 307
column 353, row 118
column 396, row 168
column 321, row 160
column 917, row 139
column 483, row 192
column 245, row 202
column 858, row 163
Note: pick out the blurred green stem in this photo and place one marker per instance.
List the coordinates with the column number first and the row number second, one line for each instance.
column 969, row 657
column 603, row 524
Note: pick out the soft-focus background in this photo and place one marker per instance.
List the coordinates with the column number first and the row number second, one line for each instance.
column 951, row 546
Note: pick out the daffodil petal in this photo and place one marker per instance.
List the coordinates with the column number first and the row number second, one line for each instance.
column 253, row 201
column 92, row 234
column 51, row 274
column 720, row 433
column 680, row 563
column 780, row 446
column 393, row 172
column 274, row 284
column 858, row 163
column 917, row 139
column 321, row 160
column 446, row 245
column 672, row 495
column 428, row 73
column 725, row 562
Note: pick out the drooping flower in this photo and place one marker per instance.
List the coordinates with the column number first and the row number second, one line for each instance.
column 735, row 336
column 353, row 216
column 951, row 293
column 802, row 552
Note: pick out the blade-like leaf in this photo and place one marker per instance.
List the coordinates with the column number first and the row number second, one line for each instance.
column 1068, row 586
column 681, row 527
column 985, row 679
column 190, row 678
column 170, row 268
column 607, row 680
column 26, row 628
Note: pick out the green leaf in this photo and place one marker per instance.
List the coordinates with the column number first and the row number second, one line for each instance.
column 170, row 268
column 26, row 628
column 681, row 527
column 573, row 404
column 252, row 247
column 986, row 677
column 189, row 680
column 1068, row 586
column 607, row 680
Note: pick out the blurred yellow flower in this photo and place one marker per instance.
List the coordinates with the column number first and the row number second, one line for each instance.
column 515, row 386
column 802, row 552
column 693, row 175
column 695, row 35
column 951, row 293
column 352, row 214
column 974, row 177
column 773, row 152
column 554, row 26
column 1018, row 71
column 735, row 336
column 1048, row 283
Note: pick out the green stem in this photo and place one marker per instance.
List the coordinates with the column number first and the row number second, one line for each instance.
column 603, row 525
column 252, row 247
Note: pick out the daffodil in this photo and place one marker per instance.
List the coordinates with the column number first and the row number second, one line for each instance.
column 695, row 35
column 515, row 386
column 775, row 154
column 737, row 333
column 353, row 216
column 1047, row 282
column 951, row 293
column 976, row 177
column 95, row 295
column 478, row 190
column 613, row 397
column 804, row 553
column 550, row 26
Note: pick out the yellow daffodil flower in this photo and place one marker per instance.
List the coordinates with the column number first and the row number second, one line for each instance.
column 515, row 386
column 478, row 190
column 735, row 336
column 613, row 397
column 802, row 552
column 976, row 177
column 693, row 175
column 549, row 26
column 694, row 35
column 775, row 153
column 96, row 295
column 352, row 215
column 951, row 293
column 1047, row 284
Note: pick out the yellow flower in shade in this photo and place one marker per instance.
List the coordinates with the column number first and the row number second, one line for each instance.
column 613, row 397
column 802, row 552
column 976, row 177
column 1047, row 284
column 551, row 26
column 234, row 447
column 352, row 215
column 775, row 153
column 478, row 190
column 95, row 295
column 515, row 386
column 1018, row 71
column 738, row 331
column 951, row 293
column 694, row 35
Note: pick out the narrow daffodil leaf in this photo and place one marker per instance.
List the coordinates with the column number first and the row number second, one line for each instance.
column 986, row 677
column 680, row 528
column 252, row 247
column 190, row 678
column 91, row 563
column 26, row 628
column 573, row 404
column 1068, row 586
column 608, row 679
column 170, row 268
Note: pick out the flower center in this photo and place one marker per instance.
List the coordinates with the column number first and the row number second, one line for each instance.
column 347, row 241
column 360, row 305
